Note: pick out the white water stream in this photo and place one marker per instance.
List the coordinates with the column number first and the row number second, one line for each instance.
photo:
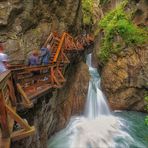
column 97, row 128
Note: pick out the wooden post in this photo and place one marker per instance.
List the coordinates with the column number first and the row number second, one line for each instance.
column 51, row 73
column 17, row 118
column 3, row 117
column 26, row 101
column 11, row 92
column 61, row 75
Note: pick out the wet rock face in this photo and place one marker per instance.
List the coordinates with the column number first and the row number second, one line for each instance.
column 125, row 79
column 43, row 117
column 141, row 13
column 74, row 93
column 9, row 9
column 25, row 24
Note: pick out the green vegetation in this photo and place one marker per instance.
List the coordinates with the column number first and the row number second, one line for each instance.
column 119, row 31
column 87, row 6
column 102, row 2
column 146, row 119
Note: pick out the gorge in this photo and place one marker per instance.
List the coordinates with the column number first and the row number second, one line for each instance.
column 63, row 117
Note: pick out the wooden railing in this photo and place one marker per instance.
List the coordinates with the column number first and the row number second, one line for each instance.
column 59, row 47
column 66, row 42
column 8, row 113
column 29, row 84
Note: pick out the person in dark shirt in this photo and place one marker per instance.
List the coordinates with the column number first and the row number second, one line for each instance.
column 45, row 55
column 34, row 58
column 34, row 61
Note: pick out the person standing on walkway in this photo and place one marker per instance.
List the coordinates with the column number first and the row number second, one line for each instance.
column 3, row 60
column 34, row 58
column 45, row 55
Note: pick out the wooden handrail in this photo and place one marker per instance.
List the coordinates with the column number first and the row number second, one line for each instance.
column 59, row 47
column 48, row 39
column 4, row 76
column 32, row 68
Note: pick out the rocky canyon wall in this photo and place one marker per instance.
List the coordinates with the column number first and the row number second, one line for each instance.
column 125, row 74
column 25, row 24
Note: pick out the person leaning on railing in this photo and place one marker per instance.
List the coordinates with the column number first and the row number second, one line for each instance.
column 3, row 60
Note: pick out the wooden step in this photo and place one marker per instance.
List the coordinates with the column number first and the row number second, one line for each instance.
column 34, row 78
column 39, row 91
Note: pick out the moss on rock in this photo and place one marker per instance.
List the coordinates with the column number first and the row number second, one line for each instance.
column 119, row 32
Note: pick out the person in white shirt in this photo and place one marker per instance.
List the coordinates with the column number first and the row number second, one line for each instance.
column 3, row 60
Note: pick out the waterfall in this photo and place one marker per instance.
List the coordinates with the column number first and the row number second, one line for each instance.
column 97, row 128
column 96, row 102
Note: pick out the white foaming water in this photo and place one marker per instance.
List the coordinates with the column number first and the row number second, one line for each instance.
column 97, row 128
column 96, row 102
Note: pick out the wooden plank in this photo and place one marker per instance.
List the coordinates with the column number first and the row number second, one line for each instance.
column 11, row 92
column 4, row 75
column 61, row 75
column 56, row 80
column 3, row 78
column 36, row 85
column 17, row 135
column 17, row 118
column 36, row 77
column 59, row 47
column 39, row 92
column 11, row 120
column 32, row 68
column 24, row 77
column 26, row 101
column 3, row 120
column 4, row 142
column 65, row 58
column 48, row 39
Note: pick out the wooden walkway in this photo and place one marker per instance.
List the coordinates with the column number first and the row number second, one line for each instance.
column 8, row 115
column 33, row 82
